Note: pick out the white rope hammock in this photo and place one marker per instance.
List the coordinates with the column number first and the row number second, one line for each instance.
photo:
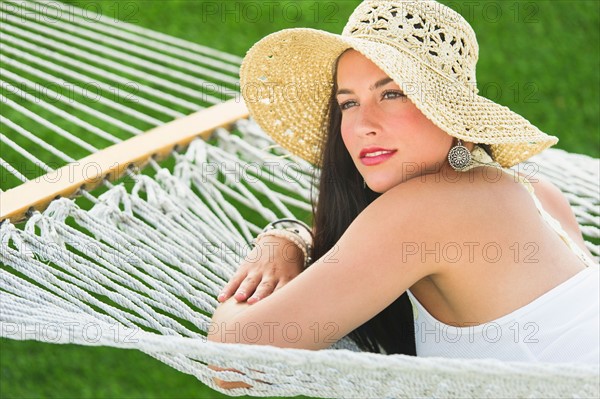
column 141, row 268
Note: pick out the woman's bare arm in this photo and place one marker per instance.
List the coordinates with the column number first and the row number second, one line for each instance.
column 360, row 276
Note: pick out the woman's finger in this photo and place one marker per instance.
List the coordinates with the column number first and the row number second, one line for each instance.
column 231, row 286
column 264, row 289
column 281, row 283
column 247, row 287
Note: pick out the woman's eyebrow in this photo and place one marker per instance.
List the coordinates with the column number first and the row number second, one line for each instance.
column 378, row 84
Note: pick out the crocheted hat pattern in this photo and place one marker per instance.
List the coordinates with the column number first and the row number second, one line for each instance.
column 427, row 48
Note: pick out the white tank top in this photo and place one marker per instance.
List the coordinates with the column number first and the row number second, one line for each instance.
column 560, row 326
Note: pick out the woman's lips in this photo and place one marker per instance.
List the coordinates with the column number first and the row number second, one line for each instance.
column 370, row 161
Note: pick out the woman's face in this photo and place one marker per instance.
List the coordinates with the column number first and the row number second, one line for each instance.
column 376, row 114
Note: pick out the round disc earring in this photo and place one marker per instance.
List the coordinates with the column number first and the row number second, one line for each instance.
column 459, row 156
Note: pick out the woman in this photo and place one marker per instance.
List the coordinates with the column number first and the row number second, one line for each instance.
column 425, row 242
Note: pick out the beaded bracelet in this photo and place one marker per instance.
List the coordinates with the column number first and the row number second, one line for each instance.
column 292, row 234
column 294, row 222
column 295, row 226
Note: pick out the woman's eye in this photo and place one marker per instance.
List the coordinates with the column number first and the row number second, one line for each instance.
column 390, row 94
column 347, row 104
column 393, row 94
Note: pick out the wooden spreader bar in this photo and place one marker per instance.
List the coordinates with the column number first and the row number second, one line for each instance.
column 112, row 162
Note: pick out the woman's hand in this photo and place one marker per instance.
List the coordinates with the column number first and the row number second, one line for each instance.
column 269, row 266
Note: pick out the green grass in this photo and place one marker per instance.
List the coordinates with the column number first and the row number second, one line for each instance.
column 36, row 370
column 540, row 58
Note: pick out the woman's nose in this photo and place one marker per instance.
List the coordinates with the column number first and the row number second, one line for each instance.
column 366, row 122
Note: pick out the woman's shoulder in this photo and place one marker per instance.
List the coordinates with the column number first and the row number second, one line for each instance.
column 461, row 187
column 483, row 197
column 465, row 198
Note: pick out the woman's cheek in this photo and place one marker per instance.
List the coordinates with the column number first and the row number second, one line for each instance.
column 407, row 115
column 346, row 133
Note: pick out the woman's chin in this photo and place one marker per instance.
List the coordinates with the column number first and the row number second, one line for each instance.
column 381, row 186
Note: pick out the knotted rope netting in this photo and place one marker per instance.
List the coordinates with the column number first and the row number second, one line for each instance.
column 138, row 263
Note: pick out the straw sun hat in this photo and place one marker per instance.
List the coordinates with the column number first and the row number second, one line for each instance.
column 428, row 49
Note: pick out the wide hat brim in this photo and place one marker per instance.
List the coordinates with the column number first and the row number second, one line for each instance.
column 287, row 77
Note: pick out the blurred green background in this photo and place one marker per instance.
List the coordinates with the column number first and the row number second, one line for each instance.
column 540, row 58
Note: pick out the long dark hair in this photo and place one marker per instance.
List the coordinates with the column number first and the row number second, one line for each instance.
column 341, row 198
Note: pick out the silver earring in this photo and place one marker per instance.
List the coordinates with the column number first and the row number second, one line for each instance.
column 459, row 156
column 364, row 184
